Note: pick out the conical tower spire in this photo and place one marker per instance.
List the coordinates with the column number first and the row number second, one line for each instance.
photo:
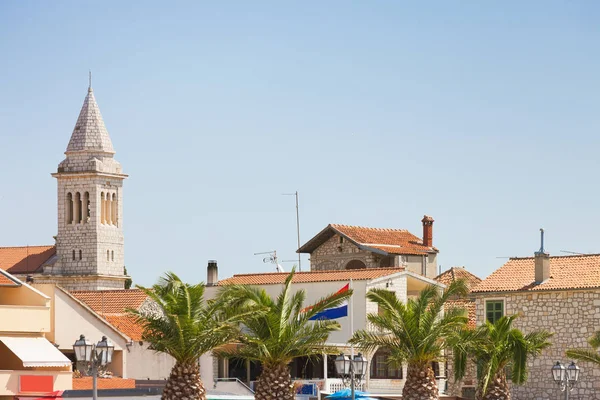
column 90, row 134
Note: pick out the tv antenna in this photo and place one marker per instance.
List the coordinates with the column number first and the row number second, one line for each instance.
column 572, row 252
column 272, row 259
column 297, row 226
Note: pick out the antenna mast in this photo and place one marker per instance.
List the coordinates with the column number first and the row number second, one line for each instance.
column 297, row 226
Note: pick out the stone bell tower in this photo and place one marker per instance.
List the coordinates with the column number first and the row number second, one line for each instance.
column 89, row 244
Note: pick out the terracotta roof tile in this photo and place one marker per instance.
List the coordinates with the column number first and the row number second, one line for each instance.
column 126, row 324
column 8, row 280
column 306, row 277
column 111, row 301
column 26, row 259
column 85, row 383
column 392, row 241
column 455, row 273
column 467, row 305
column 566, row 272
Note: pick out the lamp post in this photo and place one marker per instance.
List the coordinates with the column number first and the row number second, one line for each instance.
column 351, row 370
column 96, row 355
column 566, row 378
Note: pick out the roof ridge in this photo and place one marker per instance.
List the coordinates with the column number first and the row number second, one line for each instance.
column 27, row 246
column 561, row 256
column 107, row 291
column 371, row 228
column 334, row 271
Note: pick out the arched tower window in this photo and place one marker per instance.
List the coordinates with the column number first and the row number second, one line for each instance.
column 112, row 255
column 102, row 209
column 356, row 264
column 107, row 255
column 73, row 255
column 69, row 208
column 80, row 255
column 77, row 208
column 114, row 209
column 86, row 207
column 108, row 209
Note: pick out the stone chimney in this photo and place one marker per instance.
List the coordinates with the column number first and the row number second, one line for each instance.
column 542, row 263
column 212, row 273
column 427, row 231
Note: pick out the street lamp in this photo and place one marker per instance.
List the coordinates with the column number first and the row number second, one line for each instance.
column 351, row 370
column 97, row 355
column 566, row 378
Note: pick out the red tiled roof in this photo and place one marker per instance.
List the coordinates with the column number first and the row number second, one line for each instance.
column 272, row 278
column 126, row 324
column 566, row 272
column 391, row 241
column 453, row 274
column 456, row 273
column 85, row 383
column 468, row 305
column 26, row 259
column 111, row 301
column 8, row 280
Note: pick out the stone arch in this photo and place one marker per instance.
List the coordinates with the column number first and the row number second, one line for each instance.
column 356, row 264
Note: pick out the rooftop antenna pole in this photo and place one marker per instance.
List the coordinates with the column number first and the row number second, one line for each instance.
column 297, row 226
column 90, row 80
column 542, row 239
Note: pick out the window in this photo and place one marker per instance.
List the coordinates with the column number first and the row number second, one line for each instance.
column 107, row 255
column 69, row 208
column 112, row 255
column 341, row 239
column 73, row 255
column 80, row 254
column 382, row 368
column 494, row 310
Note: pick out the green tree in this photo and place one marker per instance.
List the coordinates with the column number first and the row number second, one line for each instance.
column 414, row 332
column 496, row 347
column 187, row 327
column 279, row 334
column 590, row 355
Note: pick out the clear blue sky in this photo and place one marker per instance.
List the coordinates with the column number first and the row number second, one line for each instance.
column 484, row 115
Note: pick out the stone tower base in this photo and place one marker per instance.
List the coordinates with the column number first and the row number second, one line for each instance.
column 80, row 282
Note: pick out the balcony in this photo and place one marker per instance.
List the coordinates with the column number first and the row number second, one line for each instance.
column 19, row 383
column 17, row 318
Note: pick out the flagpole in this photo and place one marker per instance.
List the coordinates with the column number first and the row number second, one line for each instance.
column 351, row 344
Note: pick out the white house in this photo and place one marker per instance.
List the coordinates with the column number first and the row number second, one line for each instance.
column 381, row 377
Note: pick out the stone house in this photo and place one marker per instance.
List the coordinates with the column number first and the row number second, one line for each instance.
column 467, row 386
column 339, row 247
column 560, row 294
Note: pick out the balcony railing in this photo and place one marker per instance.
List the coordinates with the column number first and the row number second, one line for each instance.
column 24, row 319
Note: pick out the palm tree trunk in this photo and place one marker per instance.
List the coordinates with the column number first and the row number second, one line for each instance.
column 420, row 383
column 274, row 383
column 184, row 383
column 497, row 388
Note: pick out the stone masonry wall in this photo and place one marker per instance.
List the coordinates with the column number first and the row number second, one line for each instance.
column 78, row 282
column 101, row 245
column 572, row 316
column 333, row 255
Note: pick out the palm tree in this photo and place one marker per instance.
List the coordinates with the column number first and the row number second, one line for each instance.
column 281, row 333
column 185, row 326
column 414, row 333
column 496, row 347
column 593, row 355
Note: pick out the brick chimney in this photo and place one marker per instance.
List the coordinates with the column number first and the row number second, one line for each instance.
column 212, row 273
column 427, row 231
column 542, row 263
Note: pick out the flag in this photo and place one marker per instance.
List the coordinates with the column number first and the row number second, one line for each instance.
column 335, row 312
